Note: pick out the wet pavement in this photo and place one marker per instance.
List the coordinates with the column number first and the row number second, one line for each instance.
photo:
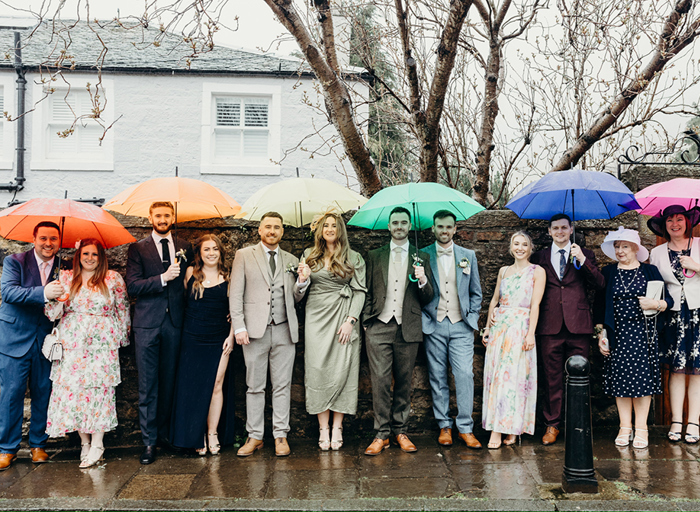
column 523, row 477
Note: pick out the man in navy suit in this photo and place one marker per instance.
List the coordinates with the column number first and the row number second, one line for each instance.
column 154, row 278
column 28, row 281
column 449, row 322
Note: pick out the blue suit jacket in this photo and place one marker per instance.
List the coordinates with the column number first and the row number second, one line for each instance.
column 22, row 319
column 153, row 300
column 468, row 288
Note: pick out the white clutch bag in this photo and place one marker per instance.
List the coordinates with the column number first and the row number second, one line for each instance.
column 655, row 291
column 52, row 347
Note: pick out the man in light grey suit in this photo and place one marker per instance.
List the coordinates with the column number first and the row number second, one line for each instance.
column 262, row 295
column 449, row 322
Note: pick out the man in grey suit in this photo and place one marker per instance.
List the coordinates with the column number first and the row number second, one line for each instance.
column 154, row 279
column 392, row 321
column 449, row 322
column 262, row 295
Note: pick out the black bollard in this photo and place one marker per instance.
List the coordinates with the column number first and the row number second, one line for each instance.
column 579, row 474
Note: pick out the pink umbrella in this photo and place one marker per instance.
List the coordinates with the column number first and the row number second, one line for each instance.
column 655, row 198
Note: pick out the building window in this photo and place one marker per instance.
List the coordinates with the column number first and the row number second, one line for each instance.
column 7, row 130
column 240, row 129
column 67, row 137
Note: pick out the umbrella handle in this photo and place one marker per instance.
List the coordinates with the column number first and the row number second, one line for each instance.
column 413, row 279
column 577, row 265
column 686, row 274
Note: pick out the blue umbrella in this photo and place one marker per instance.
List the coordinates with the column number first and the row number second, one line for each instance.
column 582, row 195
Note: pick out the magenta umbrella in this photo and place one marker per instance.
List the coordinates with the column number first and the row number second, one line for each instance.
column 655, row 198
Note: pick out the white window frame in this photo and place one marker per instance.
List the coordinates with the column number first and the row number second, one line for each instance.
column 7, row 145
column 262, row 166
column 41, row 118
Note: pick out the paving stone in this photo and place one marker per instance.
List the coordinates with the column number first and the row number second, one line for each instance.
column 670, row 479
column 336, row 483
column 19, row 469
column 496, row 481
column 158, row 487
column 232, row 477
column 406, row 487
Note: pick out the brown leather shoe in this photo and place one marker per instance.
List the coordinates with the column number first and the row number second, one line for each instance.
column 405, row 443
column 249, row 447
column 550, row 436
column 282, row 447
column 6, row 460
column 445, row 437
column 377, row 446
column 39, row 456
column 470, row 440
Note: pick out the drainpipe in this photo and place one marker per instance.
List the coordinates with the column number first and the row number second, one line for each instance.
column 21, row 93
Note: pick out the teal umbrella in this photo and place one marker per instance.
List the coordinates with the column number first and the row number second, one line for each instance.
column 421, row 199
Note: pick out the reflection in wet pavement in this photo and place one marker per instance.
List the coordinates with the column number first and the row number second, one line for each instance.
column 527, row 471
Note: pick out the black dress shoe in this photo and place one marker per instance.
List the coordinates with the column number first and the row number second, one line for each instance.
column 149, row 455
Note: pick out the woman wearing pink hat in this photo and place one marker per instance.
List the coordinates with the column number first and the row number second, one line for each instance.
column 677, row 260
column 627, row 337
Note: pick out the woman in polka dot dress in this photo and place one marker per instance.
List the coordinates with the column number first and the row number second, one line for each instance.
column 628, row 338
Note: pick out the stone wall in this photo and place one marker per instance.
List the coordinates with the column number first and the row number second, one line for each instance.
column 487, row 233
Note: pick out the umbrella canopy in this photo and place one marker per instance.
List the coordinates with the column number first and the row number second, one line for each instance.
column 77, row 220
column 193, row 199
column 654, row 199
column 421, row 199
column 299, row 200
column 582, row 195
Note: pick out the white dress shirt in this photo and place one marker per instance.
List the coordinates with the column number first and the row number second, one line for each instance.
column 159, row 247
column 446, row 260
column 555, row 257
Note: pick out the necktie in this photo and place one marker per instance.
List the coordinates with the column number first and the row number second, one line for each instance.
column 397, row 254
column 273, row 265
column 562, row 263
column 42, row 271
column 166, row 253
column 444, row 252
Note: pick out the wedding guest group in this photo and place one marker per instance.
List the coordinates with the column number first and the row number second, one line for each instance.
column 190, row 311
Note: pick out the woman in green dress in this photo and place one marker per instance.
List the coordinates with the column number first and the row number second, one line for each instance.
column 332, row 333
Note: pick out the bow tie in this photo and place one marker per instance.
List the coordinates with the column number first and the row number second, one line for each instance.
column 444, row 252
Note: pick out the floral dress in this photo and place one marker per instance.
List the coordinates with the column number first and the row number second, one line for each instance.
column 510, row 373
column 92, row 328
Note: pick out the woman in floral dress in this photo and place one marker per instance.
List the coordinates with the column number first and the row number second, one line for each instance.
column 510, row 367
column 93, row 325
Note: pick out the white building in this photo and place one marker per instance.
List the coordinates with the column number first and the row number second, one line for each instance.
column 236, row 119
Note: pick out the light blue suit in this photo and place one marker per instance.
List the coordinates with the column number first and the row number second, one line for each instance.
column 23, row 327
column 454, row 342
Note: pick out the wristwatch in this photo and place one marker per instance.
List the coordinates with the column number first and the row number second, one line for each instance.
column 352, row 321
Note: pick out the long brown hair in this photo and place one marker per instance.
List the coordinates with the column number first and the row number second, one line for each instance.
column 197, row 272
column 340, row 257
column 97, row 281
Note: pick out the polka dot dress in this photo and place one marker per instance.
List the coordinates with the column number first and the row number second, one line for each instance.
column 632, row 370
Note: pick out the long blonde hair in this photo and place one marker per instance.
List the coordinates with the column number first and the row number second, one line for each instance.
column 197, row 272
column 97, row 281
column 340, row 257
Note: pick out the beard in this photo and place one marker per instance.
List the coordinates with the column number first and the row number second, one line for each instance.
column 162, row 230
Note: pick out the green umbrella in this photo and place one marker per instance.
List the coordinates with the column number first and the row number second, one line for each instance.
column 421, row 199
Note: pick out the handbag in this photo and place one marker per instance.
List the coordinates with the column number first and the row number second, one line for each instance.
column 52, row 347
column 655, row 291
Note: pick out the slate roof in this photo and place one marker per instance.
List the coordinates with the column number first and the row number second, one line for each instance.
column 130, row 48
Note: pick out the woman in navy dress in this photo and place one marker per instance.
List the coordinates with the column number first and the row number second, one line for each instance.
column 203, row 407
column 629, row 339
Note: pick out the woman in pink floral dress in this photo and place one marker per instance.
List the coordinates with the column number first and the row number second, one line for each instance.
column 510, row 366
column 93, row 325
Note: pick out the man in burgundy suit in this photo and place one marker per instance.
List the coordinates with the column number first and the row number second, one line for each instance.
column 565, row 326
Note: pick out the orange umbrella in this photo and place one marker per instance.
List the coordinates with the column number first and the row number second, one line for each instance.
column 193, row 199
column 77, row 221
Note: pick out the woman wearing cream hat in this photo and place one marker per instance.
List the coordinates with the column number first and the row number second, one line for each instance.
column 627, row 338
column 677, row 260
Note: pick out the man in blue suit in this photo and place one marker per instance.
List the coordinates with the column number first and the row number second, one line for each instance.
column 449, row 322
column 154, row 278
column 28, row 281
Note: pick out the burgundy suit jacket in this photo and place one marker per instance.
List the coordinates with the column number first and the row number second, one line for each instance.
column 565, row 302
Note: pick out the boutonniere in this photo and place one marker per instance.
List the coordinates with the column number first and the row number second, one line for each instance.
column 466, row 266
column 180, row 255
column 417, row 261
column 291, row 269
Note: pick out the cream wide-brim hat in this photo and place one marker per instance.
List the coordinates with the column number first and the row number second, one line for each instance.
column 626, row 235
